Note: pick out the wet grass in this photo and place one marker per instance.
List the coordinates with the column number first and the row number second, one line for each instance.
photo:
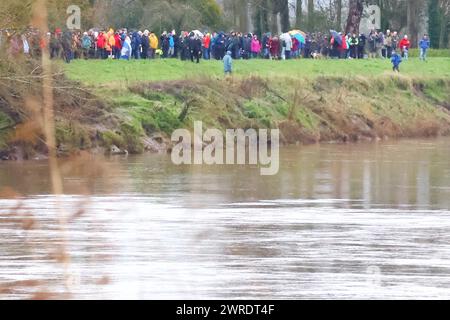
column 123, row 73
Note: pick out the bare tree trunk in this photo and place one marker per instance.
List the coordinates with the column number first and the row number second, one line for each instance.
column 445, row 22
column 444, row 28
column 284, row 11
column 262, row 16
column 355, row 13
column 265, row 16
column 412, row 14
column 274, row 22
column 339, row 15
column 243, row 16
column 310, row 15
column 299, row 13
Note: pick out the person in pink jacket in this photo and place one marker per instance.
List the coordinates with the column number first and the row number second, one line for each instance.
column 256, row 47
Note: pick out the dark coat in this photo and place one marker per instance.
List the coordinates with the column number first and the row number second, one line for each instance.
column 195, row 44
column 135, row 41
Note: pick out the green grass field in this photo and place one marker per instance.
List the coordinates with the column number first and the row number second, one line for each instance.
column 118, row 73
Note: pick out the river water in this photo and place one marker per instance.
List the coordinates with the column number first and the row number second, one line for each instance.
column 367, row 221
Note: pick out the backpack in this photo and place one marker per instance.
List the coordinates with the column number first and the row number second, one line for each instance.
column 86, row 42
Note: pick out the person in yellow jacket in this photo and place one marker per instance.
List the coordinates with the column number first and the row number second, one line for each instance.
column 110, row 42
column 154, row 42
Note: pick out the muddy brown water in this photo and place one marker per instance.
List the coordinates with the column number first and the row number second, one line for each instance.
column 338, row 221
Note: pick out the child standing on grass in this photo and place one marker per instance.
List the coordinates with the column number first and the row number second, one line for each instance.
column 228, row 64
column 396, row 60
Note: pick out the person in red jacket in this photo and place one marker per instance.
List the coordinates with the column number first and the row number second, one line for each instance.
column 101, row 44
column 274, row 45
column 343, row 48
column 206, row 44
column 405, row 44
column 117, row 49
column 295, row 47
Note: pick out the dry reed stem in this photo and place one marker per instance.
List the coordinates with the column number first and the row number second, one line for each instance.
column 41, row 22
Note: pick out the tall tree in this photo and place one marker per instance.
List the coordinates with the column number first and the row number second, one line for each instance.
column 434, row 22
column 412, row 14
column 274, row 16
column 260, row 16
column 284, row 12
column 355, row 12
column 243, row 15
column 339, row 14
column 299, row 13
column 444, row 6
column 310, row 15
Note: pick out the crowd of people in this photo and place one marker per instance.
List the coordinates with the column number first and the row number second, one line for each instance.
column 195, row 45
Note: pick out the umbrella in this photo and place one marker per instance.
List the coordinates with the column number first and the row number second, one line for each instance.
column 300, row 38
column 198, row 33
column 294, row 32
column 299, row 35
column 337, row 37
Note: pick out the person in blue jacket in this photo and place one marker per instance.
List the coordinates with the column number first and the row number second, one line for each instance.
column 424, row 45
column 228, row 63
column 136, row 45
column 396, row 59
column 171, row 51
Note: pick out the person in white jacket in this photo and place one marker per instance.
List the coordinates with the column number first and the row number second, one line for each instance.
column 126, row 52
column 286, row 46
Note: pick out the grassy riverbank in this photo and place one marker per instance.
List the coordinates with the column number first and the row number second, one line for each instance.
column 136, row 105
column 122, row 73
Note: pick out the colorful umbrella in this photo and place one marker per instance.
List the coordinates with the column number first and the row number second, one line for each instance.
column 299, row 35
column 337, row 37
column 294, row 32
column 300, row 38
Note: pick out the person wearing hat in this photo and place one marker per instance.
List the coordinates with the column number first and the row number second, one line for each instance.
column 126, row 51
column 164, row 40
column 405, row 44
column 136, row 45
column 145, row 44
column 110, row 43
column 154, row 42
column 86, row 43
column 228, row 63
column 195, row 47
column 388, row 44
column 396, row 59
